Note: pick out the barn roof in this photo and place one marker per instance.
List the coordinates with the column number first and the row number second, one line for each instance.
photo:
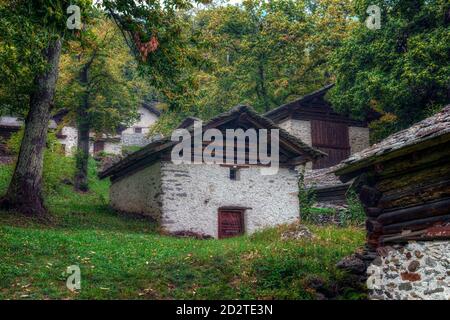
column 152, row 108
column 313, row 106
column 424, row 134
column 145, row 155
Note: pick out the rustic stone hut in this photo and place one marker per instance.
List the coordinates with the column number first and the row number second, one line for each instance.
column 313, row 120
column 219, row 200
column 404, row 185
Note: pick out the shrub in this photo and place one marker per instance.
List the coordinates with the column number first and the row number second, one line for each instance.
column 57, row 167
column 306, row 197
column 354, row 215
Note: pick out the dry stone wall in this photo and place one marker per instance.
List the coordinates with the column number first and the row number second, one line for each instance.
column 415, row 271
column 193, row 193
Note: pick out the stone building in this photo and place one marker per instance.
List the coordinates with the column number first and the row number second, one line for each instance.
column 135, row 135
column 8, row 126
column 218, row 200
column 67, row 134
column 313, row 120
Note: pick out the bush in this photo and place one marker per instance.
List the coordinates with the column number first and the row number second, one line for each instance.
column 354, row 215
column 306, row 197
column 57, row 167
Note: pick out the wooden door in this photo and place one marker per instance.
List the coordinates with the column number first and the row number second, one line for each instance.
column 231, row 223
column 331, row 138
column 99, row 146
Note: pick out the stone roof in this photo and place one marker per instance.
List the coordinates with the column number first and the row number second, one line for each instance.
column 152, row 108
column 8, row 121
column 159, row 146
column 302, row 100
column 426, row 133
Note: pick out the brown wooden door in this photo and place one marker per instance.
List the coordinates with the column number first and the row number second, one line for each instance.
column 99, row 146
column 331, row 138
column 231, row 223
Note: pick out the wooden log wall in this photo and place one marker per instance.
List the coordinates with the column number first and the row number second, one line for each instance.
column 407, row 198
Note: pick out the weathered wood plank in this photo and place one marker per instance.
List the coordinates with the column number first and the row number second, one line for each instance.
column 436, row 208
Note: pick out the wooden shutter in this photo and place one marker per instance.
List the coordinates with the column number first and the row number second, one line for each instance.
column 331, row 138
column 231, row 223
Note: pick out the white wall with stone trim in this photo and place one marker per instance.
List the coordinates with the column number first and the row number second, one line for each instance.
column 358, row 136
column 359, row 139
column 139, row 192
column 414, row 271
column 70, row 141
column 192, row 195
column 300, row 129
column 113, row 147
column 131, row 138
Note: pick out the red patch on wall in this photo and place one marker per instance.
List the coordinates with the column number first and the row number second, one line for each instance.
column 410, row 276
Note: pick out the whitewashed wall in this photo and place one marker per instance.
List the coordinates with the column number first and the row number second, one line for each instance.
column 192, row 195
column 138, row 192
column 130, row 138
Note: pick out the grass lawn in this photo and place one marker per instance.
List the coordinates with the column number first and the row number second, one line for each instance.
column 123, row 257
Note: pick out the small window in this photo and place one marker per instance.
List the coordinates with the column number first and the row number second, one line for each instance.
column 234, row 174
column 137, row 130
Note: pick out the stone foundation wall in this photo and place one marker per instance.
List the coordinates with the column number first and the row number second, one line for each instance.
column 193, row 193
column 417, row 270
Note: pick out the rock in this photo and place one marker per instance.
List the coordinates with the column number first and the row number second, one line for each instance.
column 408, row 255
column 430, row 262
column 435, row 290
column 418, row 254
column 405, row 286
column 410, row 276
column 300, row 232
column 190, row 234
column 413, row 266
column 384, row 251
column 377, row 261
column 352, row 264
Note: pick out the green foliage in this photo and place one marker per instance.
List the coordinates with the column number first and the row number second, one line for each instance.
column 99, row 82
column 354, row 215
column 401, row 70
column 123, row 257
column 57, row 167
column 306, row 197
column 27, row 27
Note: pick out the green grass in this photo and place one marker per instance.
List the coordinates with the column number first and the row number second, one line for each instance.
column 124, row 257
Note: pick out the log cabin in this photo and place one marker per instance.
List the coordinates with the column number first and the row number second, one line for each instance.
column 404, row 182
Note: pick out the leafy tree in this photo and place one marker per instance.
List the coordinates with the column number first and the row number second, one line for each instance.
column 100, row 87
column 266, row 53
column 32, row 33
column 43, row 24
column 401, row 70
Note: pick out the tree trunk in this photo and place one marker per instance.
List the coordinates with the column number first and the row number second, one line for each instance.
column 25, row 189
column 262, row 80
column 82, row 156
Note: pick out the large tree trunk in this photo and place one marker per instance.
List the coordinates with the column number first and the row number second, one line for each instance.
column 25, row 189
column 82, row 156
